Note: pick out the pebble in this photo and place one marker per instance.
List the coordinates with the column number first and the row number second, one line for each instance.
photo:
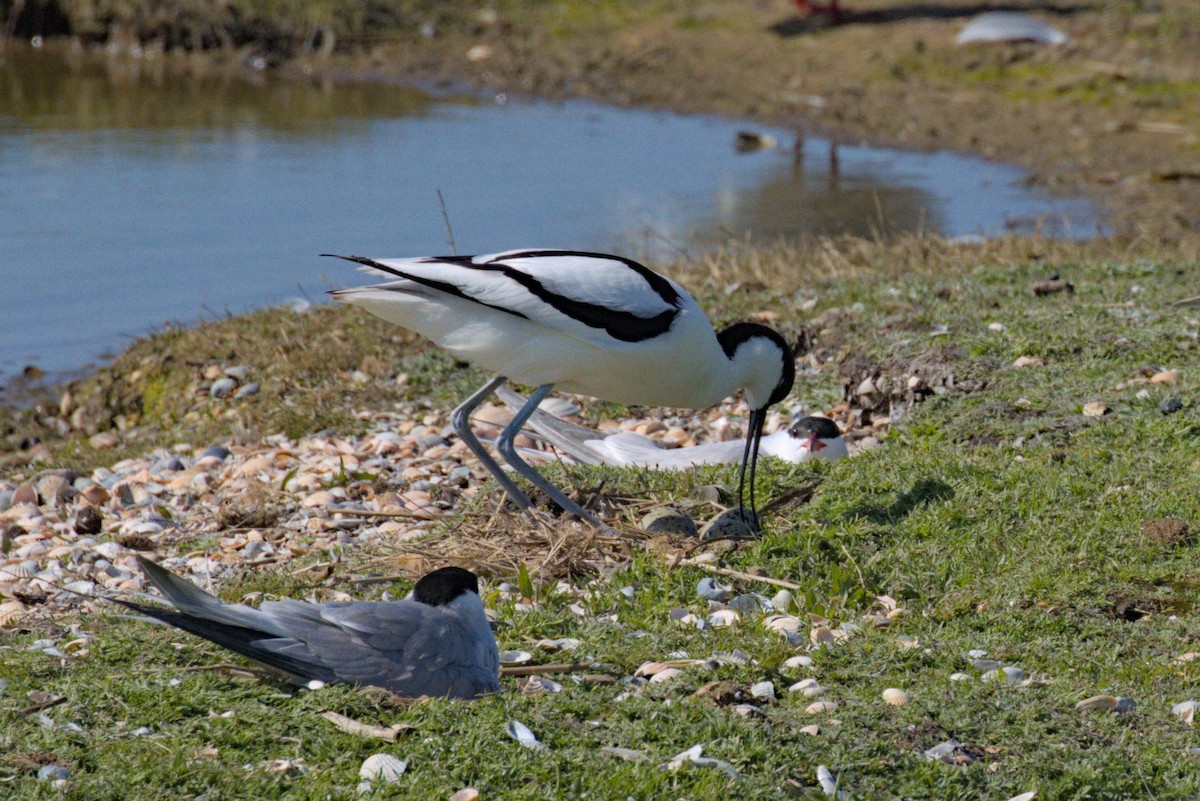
column 246, row 390
column 1165, row 377
column 53, row 773
column 1095, row 409
column 88, row 521
column 713, row 590
column 105, row 439
column 1170, row 405
column 222, row 387
column 1028, row 361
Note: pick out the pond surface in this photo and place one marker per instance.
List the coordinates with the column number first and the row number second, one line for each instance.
column 131, row 197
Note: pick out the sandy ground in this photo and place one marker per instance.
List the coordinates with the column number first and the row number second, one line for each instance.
column 1111, row 113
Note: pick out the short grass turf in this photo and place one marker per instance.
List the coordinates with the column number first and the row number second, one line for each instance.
column 1000, row 518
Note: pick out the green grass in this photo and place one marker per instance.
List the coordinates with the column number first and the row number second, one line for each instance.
column 1000, row 519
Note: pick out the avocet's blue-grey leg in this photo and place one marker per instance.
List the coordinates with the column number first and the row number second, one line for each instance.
column 506, row 444
column 461, row 418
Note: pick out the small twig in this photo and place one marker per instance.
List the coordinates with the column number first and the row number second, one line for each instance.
column 235, row 669
column 353, row 513
column 446, row 219
column 861, row 581
column 49, row 702
column 538, row 670
column 741, row 574
column 380, row 579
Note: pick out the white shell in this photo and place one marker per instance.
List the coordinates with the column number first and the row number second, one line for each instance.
column 521, row 733
column 1009, row 26
column 802, row 660
column 896, row 697
column 380, row 768
column 763, row 690
column 514, row 657
column 818, row 707
column 723, row 618
column 1185, row 711
column 784, row 623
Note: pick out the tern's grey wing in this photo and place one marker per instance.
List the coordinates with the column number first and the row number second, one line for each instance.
column 403, row 646
column 191, row 600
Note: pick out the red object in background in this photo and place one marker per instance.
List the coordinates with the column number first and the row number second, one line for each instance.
column 829, row 10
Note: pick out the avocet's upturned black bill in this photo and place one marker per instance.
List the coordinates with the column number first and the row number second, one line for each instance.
column 436, row 642
column 589, row 323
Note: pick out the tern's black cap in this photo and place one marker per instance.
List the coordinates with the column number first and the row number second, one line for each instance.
column 444, row 585
column 823, row 427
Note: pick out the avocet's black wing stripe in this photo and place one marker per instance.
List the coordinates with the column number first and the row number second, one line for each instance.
column 619, row 324
column 432, row 283
column 659, row 284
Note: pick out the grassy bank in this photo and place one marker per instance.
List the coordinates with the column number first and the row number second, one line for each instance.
column 997, row 513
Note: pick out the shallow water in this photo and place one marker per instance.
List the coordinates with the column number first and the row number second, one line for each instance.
column 130, row 197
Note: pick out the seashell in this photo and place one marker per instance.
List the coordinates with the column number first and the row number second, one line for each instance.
column 1185, row 711
column 1095, row 409
column 783, row 623
column 1029, row 796
column 763, row 690
column 1006, row 674
column 807, row 686
column 537, row 685
column 1106, row 703
column 820, row 707
column 750, row 603
column 521, row 733
column 783, row 601
column 627, row 754
column 562, row 644
column 666, row 674
column 467, row 794
column 802, row 660
column 827, row 782
column 694, row 756
column 823, row 635
column 896, row 697
column 380, row 769
column 1028, row 361
column 959, row 677
column 812, row 730
column 723, row 618
column 10, row 611
column 17, row 571
column 747, row 711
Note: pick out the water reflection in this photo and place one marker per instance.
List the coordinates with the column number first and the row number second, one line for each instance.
column 137, row 195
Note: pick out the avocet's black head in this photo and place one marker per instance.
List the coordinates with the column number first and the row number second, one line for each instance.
column 821, row 427
column 766, row 387
column 444, row 585
column 771, row 375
